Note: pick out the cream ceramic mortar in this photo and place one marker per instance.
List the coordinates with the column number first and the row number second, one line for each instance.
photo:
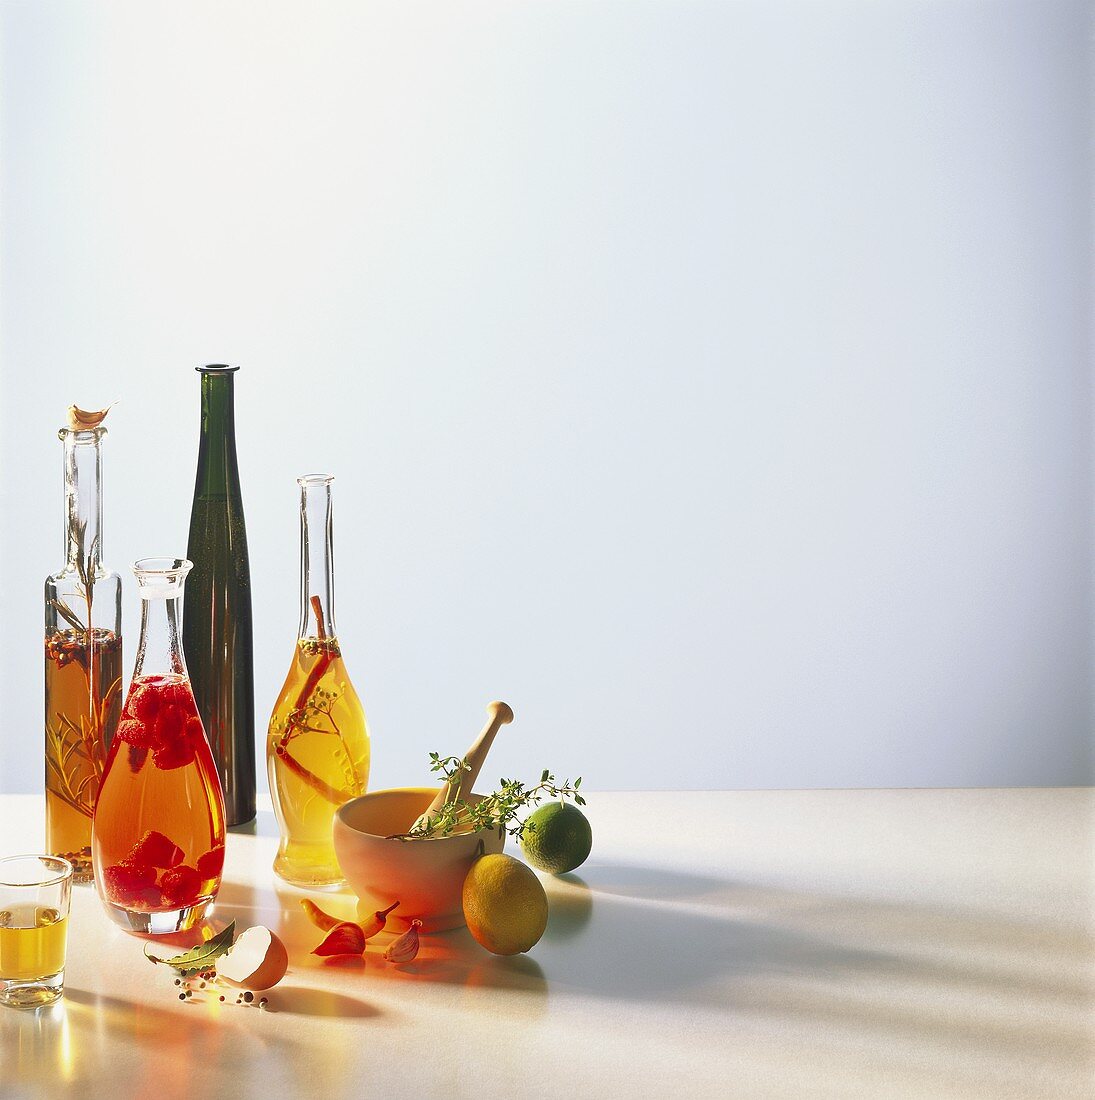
column 424, row 876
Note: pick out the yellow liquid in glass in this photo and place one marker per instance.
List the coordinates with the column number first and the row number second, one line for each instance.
column 318, row 757
column 32, row 943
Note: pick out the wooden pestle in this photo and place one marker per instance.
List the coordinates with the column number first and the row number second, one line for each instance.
column 499, row 715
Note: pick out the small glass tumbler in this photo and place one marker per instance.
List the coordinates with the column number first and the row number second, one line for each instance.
column 34, row 901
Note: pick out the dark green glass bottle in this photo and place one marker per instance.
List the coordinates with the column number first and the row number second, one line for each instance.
column 217, row 636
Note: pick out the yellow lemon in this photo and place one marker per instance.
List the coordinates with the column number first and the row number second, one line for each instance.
column 504, row 904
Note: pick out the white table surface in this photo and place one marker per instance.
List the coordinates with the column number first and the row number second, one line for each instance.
column 735, row 944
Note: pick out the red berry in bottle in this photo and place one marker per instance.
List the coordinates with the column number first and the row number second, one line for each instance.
column 173, row 754
column 137, row 757
column 131, row 884
column 177, row 692
column 127, row 873
column 134, row 733
column 212, row 863
column 171, row 723
column 194, row 728
column 156, row 850
column 144, row 702
column 180, row 886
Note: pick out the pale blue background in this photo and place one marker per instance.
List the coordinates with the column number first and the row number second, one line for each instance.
column 709, row 380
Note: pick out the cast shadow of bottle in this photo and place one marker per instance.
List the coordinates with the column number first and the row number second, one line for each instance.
column 644, row 934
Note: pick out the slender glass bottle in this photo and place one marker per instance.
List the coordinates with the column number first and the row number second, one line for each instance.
column 83, row 658
column 158, row 837
column 317, row 751
column 217, row 624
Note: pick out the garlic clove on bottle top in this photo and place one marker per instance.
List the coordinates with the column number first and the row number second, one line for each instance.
column 81, row 420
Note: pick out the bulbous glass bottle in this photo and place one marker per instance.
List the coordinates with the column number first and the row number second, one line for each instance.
column 158, row 834
column 317, row 749
column 83, row 658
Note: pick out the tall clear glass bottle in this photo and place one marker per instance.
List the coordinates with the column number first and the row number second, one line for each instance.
column 217, row 634
column 317, row 750
column 83, row 658
column 158, row 837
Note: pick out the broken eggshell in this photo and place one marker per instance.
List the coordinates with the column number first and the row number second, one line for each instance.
column 257, row 960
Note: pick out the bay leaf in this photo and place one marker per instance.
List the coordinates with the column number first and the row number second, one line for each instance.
column 198, row 958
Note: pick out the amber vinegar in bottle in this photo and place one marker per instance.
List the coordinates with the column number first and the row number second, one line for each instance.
column 317, row 748
column 83, row 658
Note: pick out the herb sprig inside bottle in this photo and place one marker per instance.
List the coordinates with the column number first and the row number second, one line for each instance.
column 83, row 652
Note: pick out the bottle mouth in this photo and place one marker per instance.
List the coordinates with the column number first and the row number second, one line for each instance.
column 306, row 481
column 160, row 578
column 82, row 435
column 216, row 368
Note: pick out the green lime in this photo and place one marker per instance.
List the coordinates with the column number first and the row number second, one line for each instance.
column 557, row 838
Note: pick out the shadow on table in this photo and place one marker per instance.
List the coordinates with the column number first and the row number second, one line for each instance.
column 654, row 884
column 643, row 934
column 570, row 907
column 171, row 1052
column 141, row 1020
column 626, row 942
column 137, row 1020
column 456, row 959
column 299, row 1001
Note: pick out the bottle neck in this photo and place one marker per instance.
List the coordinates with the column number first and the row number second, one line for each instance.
column 83, row 500
column 317, row 563
column 217, row 468
column 160, row 585
column 160, row 652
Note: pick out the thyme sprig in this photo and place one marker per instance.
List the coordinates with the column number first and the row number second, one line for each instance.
column 497, row 811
